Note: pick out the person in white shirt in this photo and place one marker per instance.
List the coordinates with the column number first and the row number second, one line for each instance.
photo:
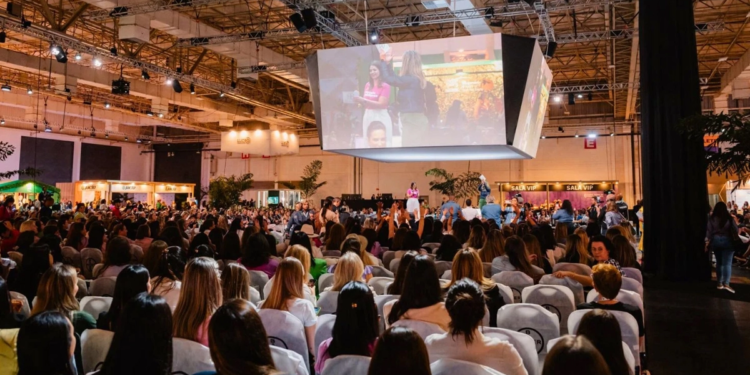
column 470, row 213
column 464, row 341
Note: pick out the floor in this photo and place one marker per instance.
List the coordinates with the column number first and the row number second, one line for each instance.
column 696, row 329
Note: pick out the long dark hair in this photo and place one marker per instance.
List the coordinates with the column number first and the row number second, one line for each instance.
column 35, row 264
column 231, row 247
column 238, row 340
column 143, row 340
column 171, row 235
column 602, row 329
column 462, row 231
column 131, row 281
column 117, row 254
column 96, row 236
column 449, row 246
column 216, row 236
column 411, row 241
column 376, row 64
column 567, row 206
column 335, row 236
column 400, row 351
column 302, row 239
column 43, row 345
column 356, row 326
column 623, row 252
column 428, row 227
column 256, row 251
column 575, row 355
column 465, row 305
column 421, row 288
column 75, row 235
column 515, row 249
column 170, row 265
column 398, row 282
column 7, row 319
column 721, row 214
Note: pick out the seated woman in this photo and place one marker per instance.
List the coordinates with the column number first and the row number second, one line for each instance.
column 607, row 281
column 57, row 292
column 131, row 281
column 624, row 253
column 10, row 316
column 398, row 282
column 166, row 265
column 235, row 283
column 46, row 345
column 494, row 246
column 575, row 251
column 400, row 351
column 600, row 247
column 318, row 265
column 308, row 286
column 287, row 295
column 37, row 261
column 421, row 297
column 449, row 246
column 352, row 245
column 574, row 355
column 349, row 268
column 464, row 341
column 356, row 328
column 142, row 343
column 535, row 253
column 143, row 236
column 602, row 329
column 200, row 296
column 466, row 264
column 239, row 344
column 476, row 238
column 367, row 258
column 257, row 255
column 116, row 258
column 517, row 259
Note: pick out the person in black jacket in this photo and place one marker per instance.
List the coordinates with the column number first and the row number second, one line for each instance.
column 411, row 85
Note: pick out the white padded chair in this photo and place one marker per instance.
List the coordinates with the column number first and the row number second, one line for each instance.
column 515, row 280
column 393, row 266
column 447, row 275
column 94, row 347
column 286, row 331
column 388, row 258
column 328, row 302
column 625, row 296
column 288, row 362
column 95, row 305
column 71, row 256
column 446, row 366
column 379, row 271
column 190, row 357
column 632, row 285
column 432, row 246
column 90, row 257
column 268, row 286
column 25, row 308
column 628, row 329
column 83, row 289
column 626, row 351
column 442, row 266
column 555, row 298
column 380, row 284
column 507, row 293
column 325, row 281
column 524, row 344
column 347, row 365
column 104, row 286
column 633, row 273
column 533, row 320
column 324, row 329
column 136, row 253
column 571, row 284
column 577, row 268
column 380, row 301
column 424, row 329
column 258, row 279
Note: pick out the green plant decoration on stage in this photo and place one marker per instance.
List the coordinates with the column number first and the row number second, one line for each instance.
column 309, row 184
column 461, row 186
column 7, row 149
column 728, row 152
column 225, row 192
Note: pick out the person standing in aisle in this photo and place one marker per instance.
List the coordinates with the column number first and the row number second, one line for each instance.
column 484, row 191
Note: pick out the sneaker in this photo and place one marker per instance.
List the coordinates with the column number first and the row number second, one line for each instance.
column 720, row 287
column 729, row 289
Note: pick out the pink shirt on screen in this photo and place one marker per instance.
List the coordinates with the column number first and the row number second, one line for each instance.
column 374, row 93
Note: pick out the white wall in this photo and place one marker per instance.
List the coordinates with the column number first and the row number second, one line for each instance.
column 134, row 166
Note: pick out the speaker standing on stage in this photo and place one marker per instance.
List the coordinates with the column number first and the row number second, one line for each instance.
column 412, row 203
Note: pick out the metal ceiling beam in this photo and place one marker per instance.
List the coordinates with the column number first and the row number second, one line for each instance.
column 594, row 87
column 150, row 7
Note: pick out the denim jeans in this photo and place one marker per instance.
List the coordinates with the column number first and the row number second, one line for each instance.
column 723, row 250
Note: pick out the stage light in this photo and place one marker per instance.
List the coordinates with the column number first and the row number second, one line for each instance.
column 176, row 86
column 138, row 141
column 2, row 121
column 374, row 35
column 106, row 104
column 97, row 62
column 149, row 114
column 161, row 115
column 126, row 138
column 612, row 134
column 79, row 132
column 579, row 96
column 168, row 81
column 54, row 49
column 2, row 36
column 61, row 56
column 544, row 136
column 47, row 129
column 592, row 135
column 558, row 98
column 144, row 75
column 221, row 94
column 168, row 144
column 106, row 135
column 298, row 22
column 6, row 87
column 113, row 51
column 93, row 134
column 29, row 91
column 192, row 89
column 577, row 135
column 460, row 72
column 25, row 23
column 233, row 84
column 413, row 21
column 78, row 56
column 560, row 129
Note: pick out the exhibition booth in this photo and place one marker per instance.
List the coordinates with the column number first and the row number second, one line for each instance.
column 26, row 191
column 134, row 191
column 540, row 193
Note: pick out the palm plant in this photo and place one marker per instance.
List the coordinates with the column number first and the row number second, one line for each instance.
column 225, row 192
column 461, row 186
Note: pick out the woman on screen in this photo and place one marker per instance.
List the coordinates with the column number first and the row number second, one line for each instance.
column 376, row 134
column 412, row 204
column 411, row 85
column 375, row 100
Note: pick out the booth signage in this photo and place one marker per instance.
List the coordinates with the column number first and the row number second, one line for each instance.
column 580, row 187
column 88, row 187
column 536, row 187
column 170, row 188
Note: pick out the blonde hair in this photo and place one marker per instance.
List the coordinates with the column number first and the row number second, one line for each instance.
column 200, row 296
column 574, row 243
column 611, row 207
column 580, row 232
column 300, row 253
column 287, row 284
column 222, row 223
column 494, row 246
column 411, row 65
column 624, row 229
column 466, row 264
column 55, row 291
column 28, row 225
column 235, row 282
column 362, row 251
column 349, row 268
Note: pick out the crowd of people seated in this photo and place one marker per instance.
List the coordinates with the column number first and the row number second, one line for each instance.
column 220, row 279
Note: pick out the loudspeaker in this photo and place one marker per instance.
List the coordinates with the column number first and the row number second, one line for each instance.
column 551, row 48
column 309, row 16
column 298, row 22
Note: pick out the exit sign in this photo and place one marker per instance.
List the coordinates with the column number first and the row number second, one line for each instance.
column 589, row 143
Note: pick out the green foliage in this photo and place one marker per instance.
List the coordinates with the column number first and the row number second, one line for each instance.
column 733, row 142
column 462, row 186
column 6, row 149
column 224, row 192
column 309, row 184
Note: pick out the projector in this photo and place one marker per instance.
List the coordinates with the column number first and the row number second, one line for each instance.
column 120, row 87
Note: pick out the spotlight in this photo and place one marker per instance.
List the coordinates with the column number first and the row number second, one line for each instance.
column 2, row 36
column 374, row 35
column 29, row 91
column 25, row 23
column 551, row 48
column 113, row 51
column 106, row 135
column 176, row 86
column 6, row 87
column 161, row 115
column 126, row 138
column 149, row 114
column 221, row 94
column 560, row 129
column 612, row 134
column 489, row 12
column 577, row 135
column 138, row 141
column 558, row 98
column 168, row 81
column 298, row 22
column 106, row 104
column 53, row 49
column 579, row 96
column 192, row 89
column 233, row 84
column 47, row 128
column 97, row 62
column 61, row 56
column 544, row 136
column 592, row 135
column 78, row 56
column 168, row 144
column 2, row 121
column 93, row 134
column 144, row 75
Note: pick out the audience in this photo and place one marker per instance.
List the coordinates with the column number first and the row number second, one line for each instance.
column 574, row 355
column 36, row 262
column 476, row 238
column 356, row 328
column 257, row 255
column 200, row 296
column 166, row 267
column 400, row 351
column 116, row 258
column 449, row 246
column 575, row 251
column 607, row 281
column 624, row 253
column 142, row 343
column 398, row 282
column 235, row 283
column 46, row 345
column 335, row 237
column 494, row 246
column 132, row 280
column 603, row 331
column 143, row 236
column 352, row 245
column 421, row 296
column 57, row 292
column 534, row 249
column 464, row 341
column 467, row 265
column 517, row 259
column 600, row 247
column 9, row 309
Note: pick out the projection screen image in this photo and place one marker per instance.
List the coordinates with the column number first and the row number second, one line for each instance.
column 446, row 92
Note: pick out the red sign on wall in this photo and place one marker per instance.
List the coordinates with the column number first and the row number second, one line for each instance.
column 589, row 143
column 246, row 156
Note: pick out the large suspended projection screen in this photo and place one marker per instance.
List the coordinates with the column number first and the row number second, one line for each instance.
column 475, row 97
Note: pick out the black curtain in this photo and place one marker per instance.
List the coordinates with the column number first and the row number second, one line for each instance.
column 674, row 174
column 100, row 162
column 179, row 162
column 54, row 158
